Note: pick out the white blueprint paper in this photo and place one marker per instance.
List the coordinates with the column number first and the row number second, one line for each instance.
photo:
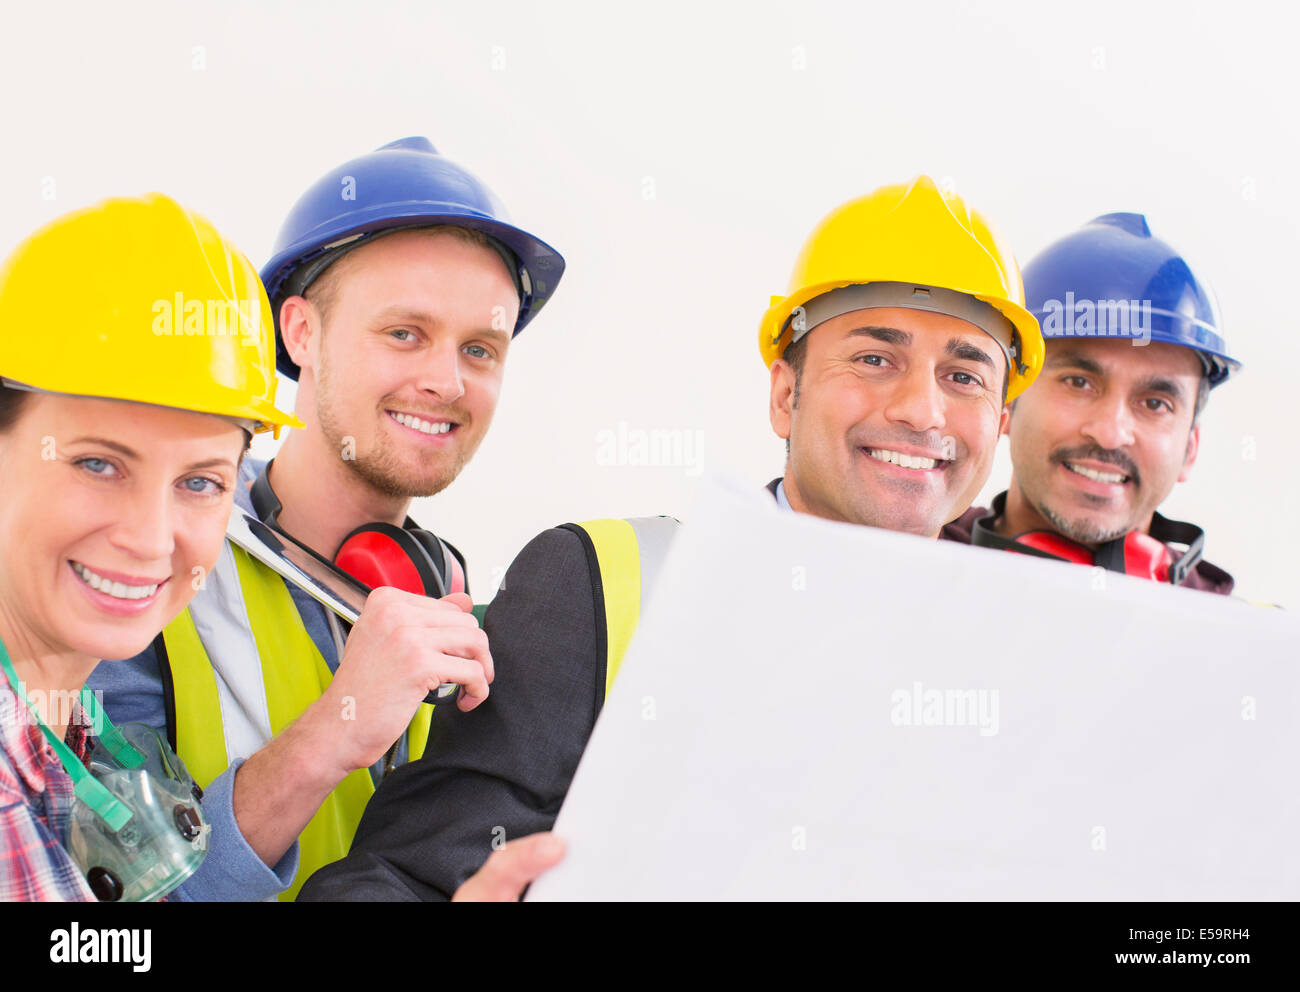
column 818, row 711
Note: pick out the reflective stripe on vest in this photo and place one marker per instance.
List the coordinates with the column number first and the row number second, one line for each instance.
column 243, row 668
column 628, row 554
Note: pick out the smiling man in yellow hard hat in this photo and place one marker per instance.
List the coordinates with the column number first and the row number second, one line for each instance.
column 892, row 357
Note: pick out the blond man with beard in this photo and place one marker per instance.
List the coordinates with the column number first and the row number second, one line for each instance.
column 397, row 285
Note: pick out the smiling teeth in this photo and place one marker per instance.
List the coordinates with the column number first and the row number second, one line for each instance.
column 900, row 459
column 115, row 589
column 423, row 426
column 1088, row 473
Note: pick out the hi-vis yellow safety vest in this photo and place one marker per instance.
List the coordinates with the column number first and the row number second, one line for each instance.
column 243, row 667
column 623, row 557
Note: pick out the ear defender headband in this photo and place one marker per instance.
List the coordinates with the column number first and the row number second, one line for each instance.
column 381, row 554
column 1142, row 555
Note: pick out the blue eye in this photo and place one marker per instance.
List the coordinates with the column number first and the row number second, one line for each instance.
column 478, row 351
column 98, row 466
column 203, row 486
column 410, row 336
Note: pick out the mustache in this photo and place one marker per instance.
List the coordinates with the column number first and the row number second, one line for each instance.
column 937, row 445
column 1097, row 453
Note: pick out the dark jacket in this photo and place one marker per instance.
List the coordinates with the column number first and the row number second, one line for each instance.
column 1205, row 576
column 502, row 770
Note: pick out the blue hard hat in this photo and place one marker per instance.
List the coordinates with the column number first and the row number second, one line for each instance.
column 405, row 183
column 1113, row 277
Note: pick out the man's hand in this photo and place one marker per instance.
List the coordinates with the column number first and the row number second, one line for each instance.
column 508, row 871
column 402, row 647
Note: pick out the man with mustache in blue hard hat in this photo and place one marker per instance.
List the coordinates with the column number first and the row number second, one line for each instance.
column 1133, row 350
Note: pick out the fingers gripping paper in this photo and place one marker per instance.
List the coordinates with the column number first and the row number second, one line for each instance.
column 813, row 710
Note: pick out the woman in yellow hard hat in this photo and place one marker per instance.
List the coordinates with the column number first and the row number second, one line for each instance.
column 134, row 369
column 136, row 363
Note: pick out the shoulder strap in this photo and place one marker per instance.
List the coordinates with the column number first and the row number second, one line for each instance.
column 109, row 737
column 87, row 788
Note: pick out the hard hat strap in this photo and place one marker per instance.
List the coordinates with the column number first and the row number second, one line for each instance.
column 935, row 299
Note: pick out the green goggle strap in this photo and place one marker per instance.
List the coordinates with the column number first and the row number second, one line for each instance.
column 87, row 788
column 110, row 738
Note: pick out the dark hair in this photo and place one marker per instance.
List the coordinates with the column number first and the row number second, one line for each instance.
column 794, row 356
column 11, row 405
column 1202, row 397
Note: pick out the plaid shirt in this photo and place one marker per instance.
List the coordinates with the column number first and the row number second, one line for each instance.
column 35, row 807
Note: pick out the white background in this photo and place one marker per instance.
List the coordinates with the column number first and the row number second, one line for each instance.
column 748, row 122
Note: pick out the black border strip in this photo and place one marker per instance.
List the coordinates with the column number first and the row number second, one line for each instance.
column 598, row 598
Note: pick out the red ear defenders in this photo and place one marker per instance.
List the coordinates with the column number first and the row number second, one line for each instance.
column 1144, row 556
column 382, row 554
column 409, row 558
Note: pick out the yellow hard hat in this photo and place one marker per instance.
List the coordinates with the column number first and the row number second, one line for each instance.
column 911, row 234
column 140, row 299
